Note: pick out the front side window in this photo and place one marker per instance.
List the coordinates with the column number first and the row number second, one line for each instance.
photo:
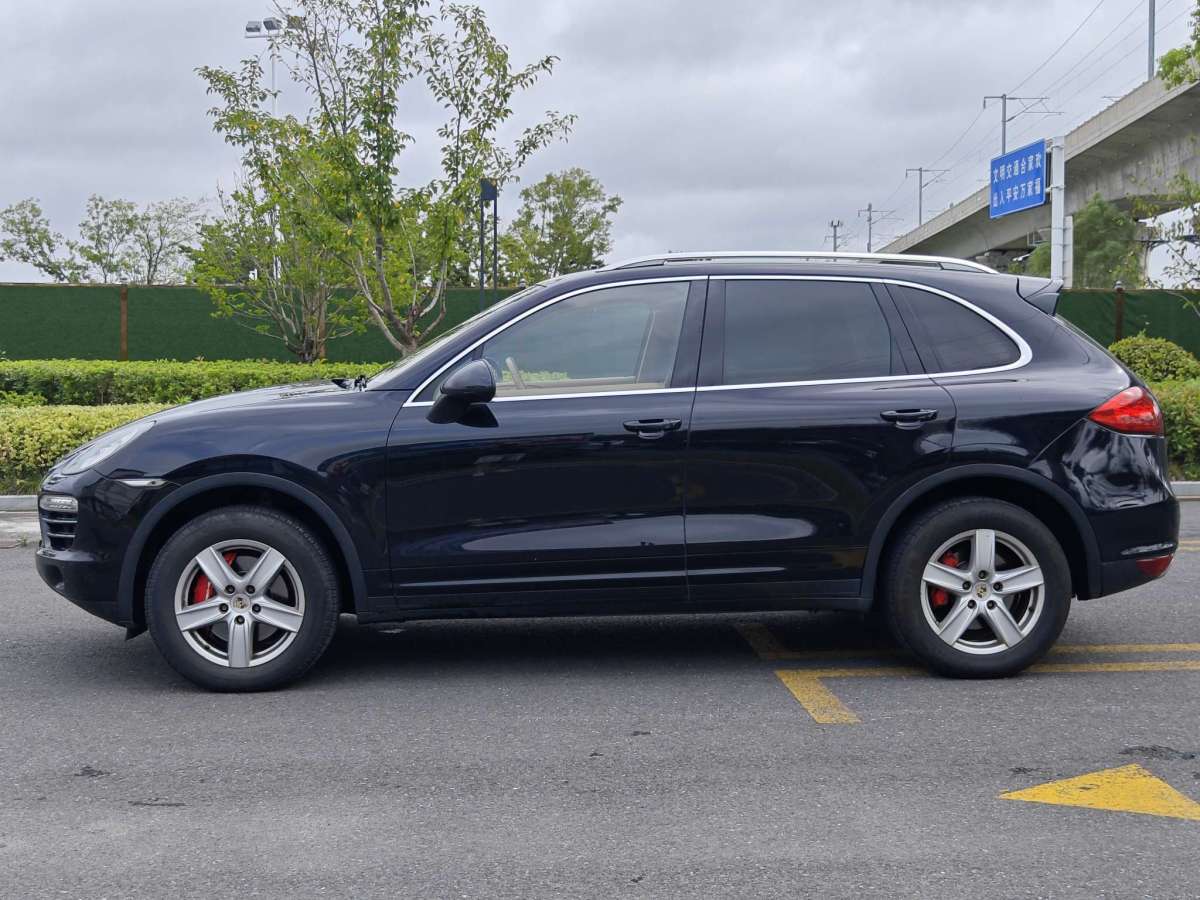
column 613, row 339
column 791, row 330
column 949, row 336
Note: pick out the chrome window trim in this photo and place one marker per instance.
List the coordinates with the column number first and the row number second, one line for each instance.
column 680, row 279
column 1024, row 358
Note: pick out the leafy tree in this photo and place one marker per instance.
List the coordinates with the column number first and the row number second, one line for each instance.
column 1106, row 248
column 106, row 236
column 272, row 259
column 1181, row 65
column 354, row 57
column 564, row 225
column 117, row 242
column 1177, row 232
column 1038, row 262
column 26, row 237
column 162, row 238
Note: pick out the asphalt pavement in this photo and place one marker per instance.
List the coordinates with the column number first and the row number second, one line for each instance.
column 669, row 756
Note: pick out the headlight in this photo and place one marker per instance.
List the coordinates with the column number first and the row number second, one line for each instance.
column 100, row 449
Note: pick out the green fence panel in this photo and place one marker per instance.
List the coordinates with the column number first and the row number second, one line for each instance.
column 53, row 321
column 50, row 321
column 166, row 322
column 1174, row 315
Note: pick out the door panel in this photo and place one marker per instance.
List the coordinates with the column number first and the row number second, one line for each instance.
column 569, row 485
column 785, row 483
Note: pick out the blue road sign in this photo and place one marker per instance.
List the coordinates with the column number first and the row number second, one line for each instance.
column 1019, row 180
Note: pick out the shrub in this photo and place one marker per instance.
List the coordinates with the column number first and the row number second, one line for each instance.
column 1156, row 359
column 1180, row 403
column 32, row 438
column 12, row 398
column 96, row 382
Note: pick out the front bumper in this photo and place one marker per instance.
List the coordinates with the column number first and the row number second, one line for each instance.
column 86, row 568
column 81, row 578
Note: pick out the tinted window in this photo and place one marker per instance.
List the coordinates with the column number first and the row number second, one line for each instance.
column 950, row 337
column 803, row 331
column 615, row 339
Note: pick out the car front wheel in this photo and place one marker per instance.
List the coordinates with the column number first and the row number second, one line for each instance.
column 977, row 588
column 242, row 599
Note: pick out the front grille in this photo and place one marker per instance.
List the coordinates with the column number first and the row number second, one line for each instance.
column 58, row 529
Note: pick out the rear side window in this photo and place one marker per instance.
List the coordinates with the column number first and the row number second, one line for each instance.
column 949, row 336
column 781, row 331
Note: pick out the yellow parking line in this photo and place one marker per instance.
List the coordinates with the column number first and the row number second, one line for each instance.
column 1167, row 665
column 808, row 687
column 1125, row 648
column 768, row 647
column 822, row 705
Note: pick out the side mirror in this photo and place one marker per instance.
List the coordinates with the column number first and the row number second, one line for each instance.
column 473, row 383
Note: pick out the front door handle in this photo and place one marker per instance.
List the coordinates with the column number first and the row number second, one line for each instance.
column 652, row 428
column 909, row 418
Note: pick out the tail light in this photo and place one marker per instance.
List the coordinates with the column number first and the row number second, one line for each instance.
column 1133, row 411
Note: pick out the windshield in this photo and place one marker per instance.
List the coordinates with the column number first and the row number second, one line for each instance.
column 414, row 359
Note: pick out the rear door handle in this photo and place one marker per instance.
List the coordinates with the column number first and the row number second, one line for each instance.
column 908, row 417
column 652, row 428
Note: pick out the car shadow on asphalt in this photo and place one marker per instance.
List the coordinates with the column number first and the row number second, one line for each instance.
column 618, row 643
column 373, row 654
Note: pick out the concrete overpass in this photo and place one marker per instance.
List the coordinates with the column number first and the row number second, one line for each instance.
column 1133, row 148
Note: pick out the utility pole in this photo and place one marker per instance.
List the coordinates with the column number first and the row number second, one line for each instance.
column 873, row 217
column 1150, row 42
column 835, row 224
column 921, row 185
column 1005, row 118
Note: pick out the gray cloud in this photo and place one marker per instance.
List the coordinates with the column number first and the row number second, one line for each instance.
column 721, row 124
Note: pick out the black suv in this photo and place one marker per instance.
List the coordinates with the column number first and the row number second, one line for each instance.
column 914, row 436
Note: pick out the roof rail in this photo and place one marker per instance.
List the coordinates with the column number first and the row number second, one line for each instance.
column 911, row 259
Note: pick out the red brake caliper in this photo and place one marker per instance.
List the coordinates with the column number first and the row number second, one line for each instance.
column 203, row 588
column 939, row 596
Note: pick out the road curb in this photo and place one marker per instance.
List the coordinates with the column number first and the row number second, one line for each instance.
column 1184, row 490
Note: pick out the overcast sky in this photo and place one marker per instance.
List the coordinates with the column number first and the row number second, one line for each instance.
column 721, row 124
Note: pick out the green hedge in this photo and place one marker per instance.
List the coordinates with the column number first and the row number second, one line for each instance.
column 1156, row 359
column 97, row 382
column 1180, row 403
column 32, row 438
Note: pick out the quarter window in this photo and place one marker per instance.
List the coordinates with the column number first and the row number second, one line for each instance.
column 950, row 337
column 782, row 331
column 615, row 339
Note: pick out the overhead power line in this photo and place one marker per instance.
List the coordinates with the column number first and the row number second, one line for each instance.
column 1044, row 62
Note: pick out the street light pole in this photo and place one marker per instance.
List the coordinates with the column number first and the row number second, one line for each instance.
column 487, row 192
column 268, row 28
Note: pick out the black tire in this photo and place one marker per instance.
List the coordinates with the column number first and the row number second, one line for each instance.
column 903, row 584
column 307, row 556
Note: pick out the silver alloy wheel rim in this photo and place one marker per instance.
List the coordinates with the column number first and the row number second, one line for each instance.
column 984, row 611
column 243, row 622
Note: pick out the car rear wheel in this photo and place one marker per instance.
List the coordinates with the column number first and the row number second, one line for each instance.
column 977, row 588
column 242, row 599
